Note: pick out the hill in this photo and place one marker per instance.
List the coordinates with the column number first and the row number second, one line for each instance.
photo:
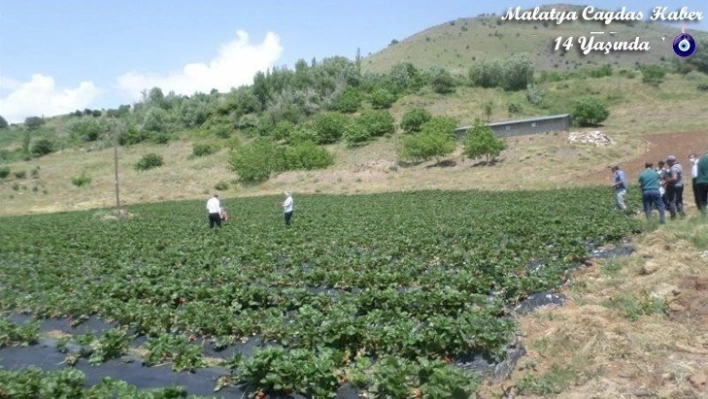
column 456, row 44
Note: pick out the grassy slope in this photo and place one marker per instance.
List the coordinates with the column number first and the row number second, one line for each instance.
column 456, row 44
column 636, row 110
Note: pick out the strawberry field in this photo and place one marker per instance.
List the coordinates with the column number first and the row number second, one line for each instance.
column 377, row 293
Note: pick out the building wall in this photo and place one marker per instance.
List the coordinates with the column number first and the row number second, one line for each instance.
column 519, row 128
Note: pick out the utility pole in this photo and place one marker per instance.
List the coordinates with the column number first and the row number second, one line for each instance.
column 115, row 165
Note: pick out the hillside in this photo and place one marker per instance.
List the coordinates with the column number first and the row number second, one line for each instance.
column 456, row 44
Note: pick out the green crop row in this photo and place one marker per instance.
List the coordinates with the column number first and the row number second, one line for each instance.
column 421, row 275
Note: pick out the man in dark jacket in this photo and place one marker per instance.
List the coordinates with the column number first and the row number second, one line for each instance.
column 702, row 183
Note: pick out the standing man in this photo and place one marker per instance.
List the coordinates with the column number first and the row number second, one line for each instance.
column 649, row 182
column 693, row 161
column 214, row 208
column 620, row 186
column 287, row 208
column 674, row 187
column 702, row 184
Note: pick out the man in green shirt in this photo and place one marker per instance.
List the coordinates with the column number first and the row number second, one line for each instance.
column 650, row 182
column 702, row 183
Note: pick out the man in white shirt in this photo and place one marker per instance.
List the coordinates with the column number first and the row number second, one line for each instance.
column 694, row 173
column 288, row 208
column 214, row 208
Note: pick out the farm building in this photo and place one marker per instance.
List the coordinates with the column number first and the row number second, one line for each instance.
column 553, row 123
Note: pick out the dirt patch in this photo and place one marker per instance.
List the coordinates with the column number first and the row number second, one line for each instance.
column 691, row 303
column 658, row 147
column 631, row 327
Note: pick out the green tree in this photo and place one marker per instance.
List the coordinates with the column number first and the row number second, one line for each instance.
column 517, row 73
column 3, row 123
column 382, row 99
column 589, row 111
column 427, row 145
column 256, row 161
column 347, row 101
column 377, row 123
column 356, row 134
column 443, row 125
column 414, row 118
column 42, row 147
column 33, row 122
column 441, row 80
column 307, row 156
column 481, row 141
column 329, row 126
column 488, row 109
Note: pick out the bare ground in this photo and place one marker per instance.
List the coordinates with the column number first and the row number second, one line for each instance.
column 632, row 328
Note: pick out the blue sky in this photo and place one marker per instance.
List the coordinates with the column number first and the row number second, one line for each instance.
column 59, row 56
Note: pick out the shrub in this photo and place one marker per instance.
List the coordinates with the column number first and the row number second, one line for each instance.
column 160, row 138
column 481, row 141
column 35, row 172
column 303, row 133
column 81, row 180
column 85, row 129
column 221, row 131
column 535, row 95
column 414, row 118
column 377, row 123
column 653, row 75
column 347, row 101
column 308, row 156
column 441, row 81
column 426, row 145
column 4, row 172
column 442, row 125
column 283, row 129
column 329, row 126
column 257, row 161
column 133, row 135
column 202, row 150
column 149, row 161
column 42, row 147
column 21, row 174
column 514, row 108
column 221, row 186
column 589, row 111
column 355, row 133
column 702, row 86
column 382, row 99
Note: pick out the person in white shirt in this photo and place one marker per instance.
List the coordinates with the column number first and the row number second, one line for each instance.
column 214, row 208
column 287, row 208
column 694, row 173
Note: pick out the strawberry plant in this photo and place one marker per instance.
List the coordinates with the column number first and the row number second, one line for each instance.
column 394, row 279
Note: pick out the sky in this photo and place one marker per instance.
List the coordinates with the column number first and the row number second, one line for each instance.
column 60, row 56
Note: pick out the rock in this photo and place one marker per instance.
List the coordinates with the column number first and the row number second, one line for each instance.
column 699, row 380
column 675, row 307
column 649, row 267
column 594, row 137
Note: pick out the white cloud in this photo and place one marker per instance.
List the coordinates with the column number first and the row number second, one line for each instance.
column 40, row 96
column 235, row 65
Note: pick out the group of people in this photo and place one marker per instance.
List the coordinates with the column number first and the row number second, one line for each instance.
column 217, row 213
column 663, row 186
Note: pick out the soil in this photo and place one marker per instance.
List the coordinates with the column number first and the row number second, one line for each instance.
column 659, row 146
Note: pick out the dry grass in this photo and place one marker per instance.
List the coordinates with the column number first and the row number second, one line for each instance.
column 458, row 43
column 613, row 339
column 531, row 162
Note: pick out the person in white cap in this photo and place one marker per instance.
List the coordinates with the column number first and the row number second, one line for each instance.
column 287, row 208
column 674, row 187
